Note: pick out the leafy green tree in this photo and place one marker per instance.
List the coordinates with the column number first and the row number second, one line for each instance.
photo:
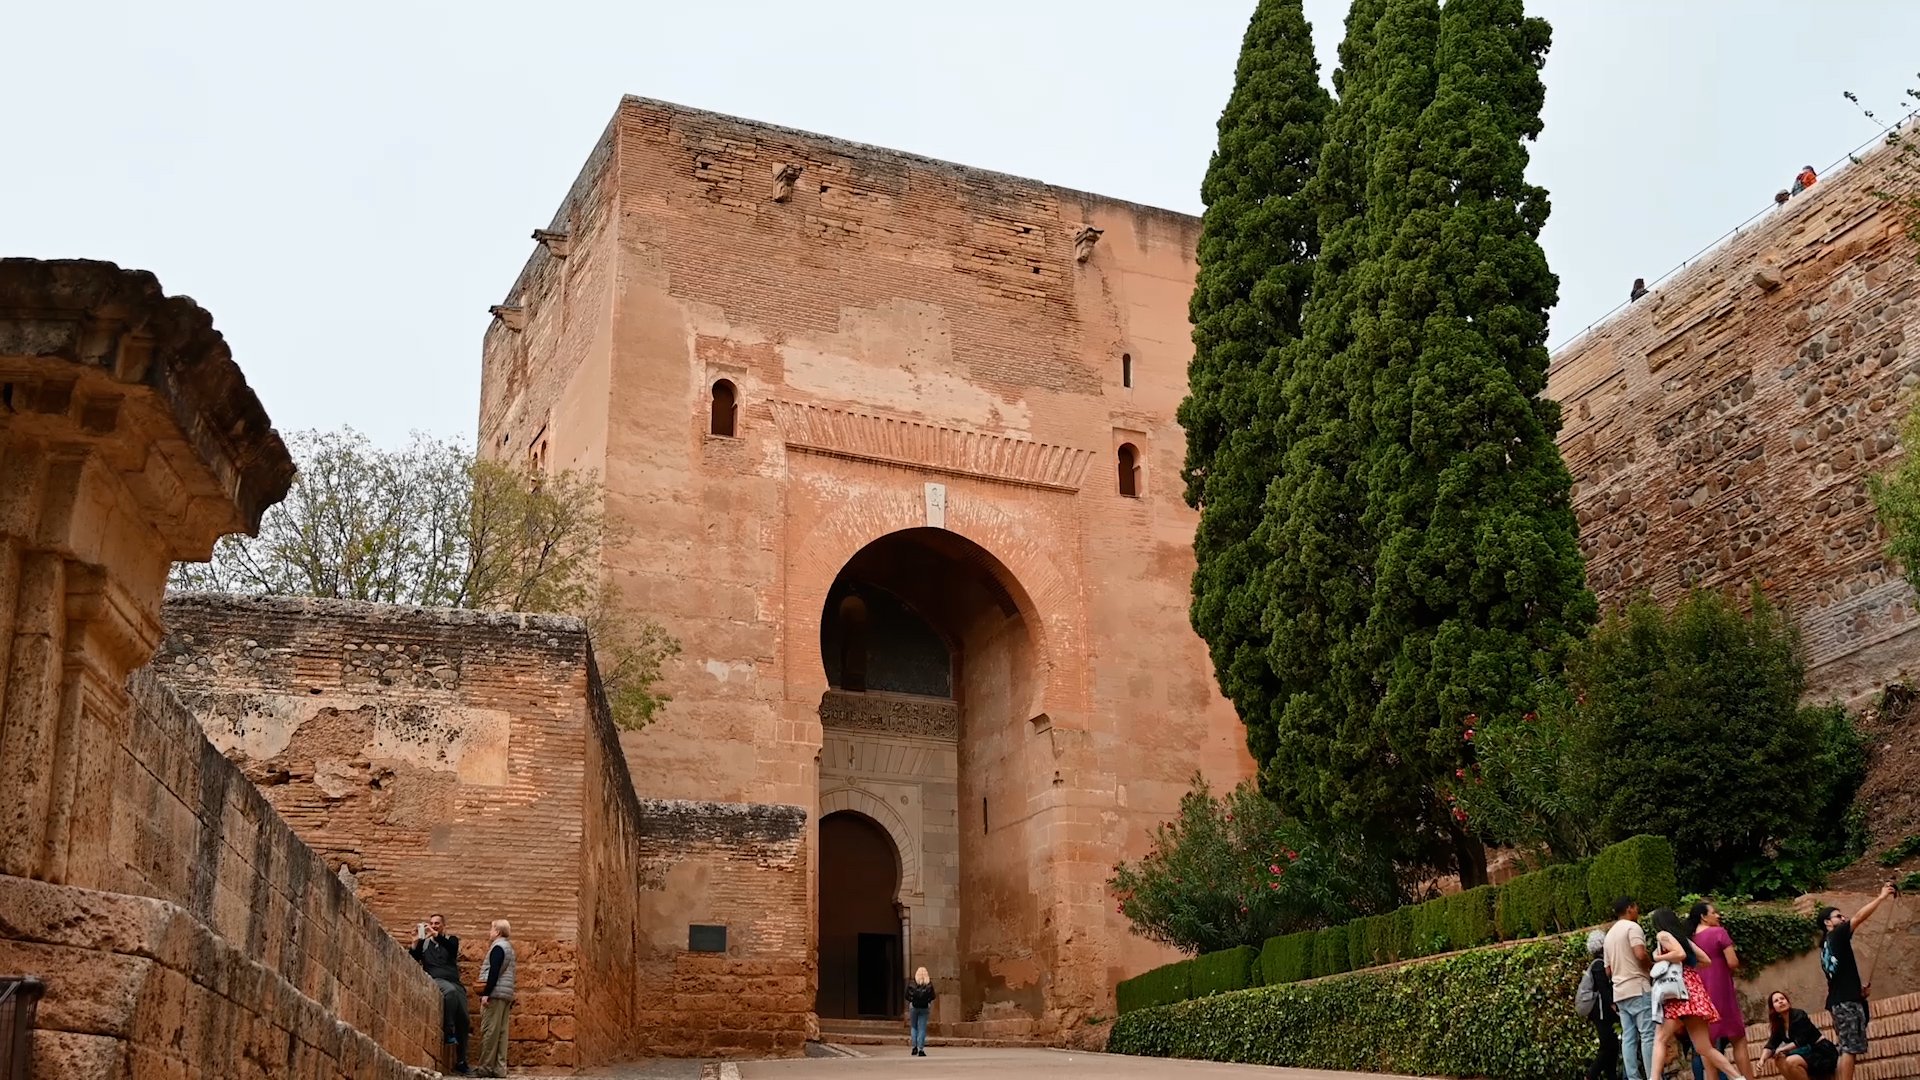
column 1698, row 735
column 429, row 525
column 1234, row 871
column 1258, row 241
column 1532, row 786
column 1896, row 500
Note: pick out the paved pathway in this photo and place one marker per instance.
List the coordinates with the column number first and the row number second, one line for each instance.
column 961, row 1063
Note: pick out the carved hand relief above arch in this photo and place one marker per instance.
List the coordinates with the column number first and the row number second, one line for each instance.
column 920, row 445
column 904, row 840
column 1013, row 552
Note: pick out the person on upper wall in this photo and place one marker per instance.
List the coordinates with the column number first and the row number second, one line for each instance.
column 439, row 953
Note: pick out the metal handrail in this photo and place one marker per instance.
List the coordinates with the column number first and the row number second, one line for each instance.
column 19, row 998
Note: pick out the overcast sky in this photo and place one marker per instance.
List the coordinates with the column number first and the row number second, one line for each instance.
column 348, row 190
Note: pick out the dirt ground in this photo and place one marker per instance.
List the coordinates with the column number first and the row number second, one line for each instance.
column 1891, row 794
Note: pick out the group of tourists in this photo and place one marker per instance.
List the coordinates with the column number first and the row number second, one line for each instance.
column 439, row 953
column 1683, row 987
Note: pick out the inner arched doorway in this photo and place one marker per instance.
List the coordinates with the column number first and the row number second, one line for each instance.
column 928, row 646
column 860, row 939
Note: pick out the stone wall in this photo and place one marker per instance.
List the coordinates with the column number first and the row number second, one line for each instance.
column 742, row 867
column 181, row 928
column 611, row 873
column 436, row 759
column 1721, row 430
column 218, row 944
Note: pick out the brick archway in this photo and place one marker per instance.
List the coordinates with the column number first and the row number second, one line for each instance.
column 904, row 840
column 1011, row 551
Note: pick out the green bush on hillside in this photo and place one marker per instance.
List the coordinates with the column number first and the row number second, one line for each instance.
column 1287, row 958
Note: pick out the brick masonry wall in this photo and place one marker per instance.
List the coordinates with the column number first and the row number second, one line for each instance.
column 743, row 867
column 1721, row 430
column 437, row 761
column 611, row 876
column 222, row 946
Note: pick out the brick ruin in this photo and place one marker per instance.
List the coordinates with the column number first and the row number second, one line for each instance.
column 464, row 763
column 1721, row 430
column 181, row 928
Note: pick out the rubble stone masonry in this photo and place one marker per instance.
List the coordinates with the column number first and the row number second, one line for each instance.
column 180, row 927
column 1721, row 430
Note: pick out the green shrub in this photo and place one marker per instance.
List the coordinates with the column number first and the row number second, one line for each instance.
column 1544, row 902
column 1901, row 852
column 1504, row 1014
column 1573, row 906
column 1229, row 969
column 1642, row 867
column 1763, row 937
column 1470, row 918
column 1287, row 958
column 1429, row 928
column 1163, row 985
column 1330, row 951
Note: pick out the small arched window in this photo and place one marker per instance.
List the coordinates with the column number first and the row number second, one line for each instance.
column 726, row 404
column 1129, row 461
column 1126, row 369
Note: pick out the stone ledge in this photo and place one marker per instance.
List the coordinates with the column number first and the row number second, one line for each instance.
column 96, row 315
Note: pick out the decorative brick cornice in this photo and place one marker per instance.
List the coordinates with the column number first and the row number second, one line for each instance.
column 918, row 444
column 892, row 714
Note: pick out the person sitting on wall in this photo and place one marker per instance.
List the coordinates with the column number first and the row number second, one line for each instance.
column 1804, row 180
column 439, row 953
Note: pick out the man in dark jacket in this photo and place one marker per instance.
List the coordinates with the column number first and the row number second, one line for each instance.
column 439, row 953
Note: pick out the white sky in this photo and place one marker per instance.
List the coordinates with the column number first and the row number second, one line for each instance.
column 348, row 189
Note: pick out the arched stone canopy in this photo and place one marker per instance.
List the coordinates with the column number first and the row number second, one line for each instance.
column 905, row 841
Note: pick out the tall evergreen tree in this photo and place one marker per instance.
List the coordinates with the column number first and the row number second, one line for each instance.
column 1325, row 759
column 1479, row 586
column 1258, row 241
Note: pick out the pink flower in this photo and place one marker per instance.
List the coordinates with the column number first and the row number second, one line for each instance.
column 1459, row 814
column 1469, row 734
column 1274, row 868
column 1531, row 717
column 1459, row 774
column 1273, row 885
column 1290, row 854
column 1472, row 719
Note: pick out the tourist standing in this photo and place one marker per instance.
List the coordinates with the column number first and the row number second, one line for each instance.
column 1628, row 962
column 1680, row 999
column 1803, row 1054
column 1729, row 1031
column 1846, row 995
column 496, row 1001
column 1606, row 1063
column 439, row 953
column 919, row 1002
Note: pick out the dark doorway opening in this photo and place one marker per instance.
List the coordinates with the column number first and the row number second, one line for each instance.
column 861, row 972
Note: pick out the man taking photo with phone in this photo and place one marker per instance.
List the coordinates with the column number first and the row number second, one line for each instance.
column 439, row 953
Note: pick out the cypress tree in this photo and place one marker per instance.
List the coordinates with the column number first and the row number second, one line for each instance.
column 1258, row 241
column 1478, row 585
column 1327, row 760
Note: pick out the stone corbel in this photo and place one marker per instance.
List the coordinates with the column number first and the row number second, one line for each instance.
column 783, row 181
column 558, row 244
column 513, row 315
column 1768, row 277
column 1083, row 242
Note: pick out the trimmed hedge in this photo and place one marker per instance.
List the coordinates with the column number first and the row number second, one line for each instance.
column 1228, row 969
column 1408, row 1020
column 1556, row 899
column 1164, row 985
column 1642, row 867
column 1505, row 1014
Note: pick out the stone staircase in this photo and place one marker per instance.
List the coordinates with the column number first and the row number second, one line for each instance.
column 894, row 1033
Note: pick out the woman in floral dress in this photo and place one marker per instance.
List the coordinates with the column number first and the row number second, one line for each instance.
column 1676, row 954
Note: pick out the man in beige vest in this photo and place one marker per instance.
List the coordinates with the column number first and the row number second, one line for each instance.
column 496, row 1001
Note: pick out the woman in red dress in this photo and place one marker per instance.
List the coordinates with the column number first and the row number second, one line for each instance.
column 1673, row 945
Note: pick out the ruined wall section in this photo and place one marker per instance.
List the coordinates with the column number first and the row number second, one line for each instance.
column 437, row 759
column 742, row 867
column 611, row 875
column 1721, row 430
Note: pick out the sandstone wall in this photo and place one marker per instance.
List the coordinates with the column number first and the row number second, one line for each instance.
column 218, row 945
column 738, row 866
column 436, row 759
column 1721, row 430
column 611, row 872
column 181, row 928
column 915, row 344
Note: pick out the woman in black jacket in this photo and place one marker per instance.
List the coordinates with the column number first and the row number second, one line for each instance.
column 919, row 1002
column 1794, row 1040
column 1606, row 1064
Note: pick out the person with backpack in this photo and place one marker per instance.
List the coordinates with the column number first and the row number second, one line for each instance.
column 1594, row 1000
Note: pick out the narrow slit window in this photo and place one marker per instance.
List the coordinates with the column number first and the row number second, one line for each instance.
column 726, row 406
column 1126, row 369
column 1129, row 463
